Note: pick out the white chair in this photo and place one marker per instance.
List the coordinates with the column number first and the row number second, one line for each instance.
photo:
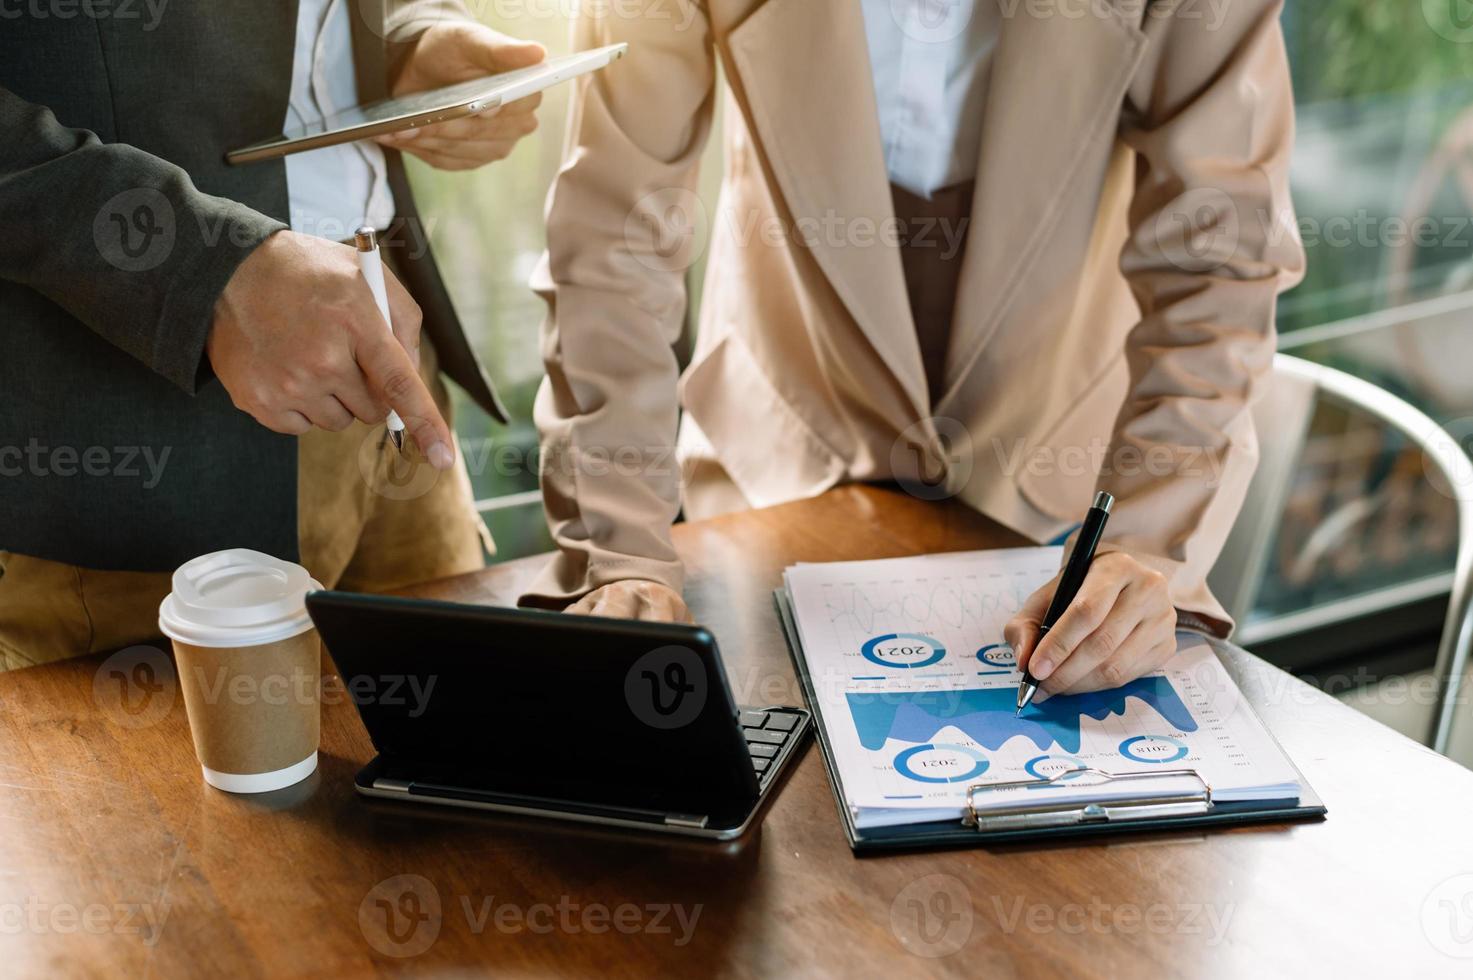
column 1283, row 416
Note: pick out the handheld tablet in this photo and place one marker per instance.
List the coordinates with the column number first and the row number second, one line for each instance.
column 424, row 108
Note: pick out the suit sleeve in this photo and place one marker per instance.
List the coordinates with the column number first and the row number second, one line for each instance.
column 117, row 237
column 1212, row 243
column 608, row 409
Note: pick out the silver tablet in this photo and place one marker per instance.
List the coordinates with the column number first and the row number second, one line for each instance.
column 424, row 108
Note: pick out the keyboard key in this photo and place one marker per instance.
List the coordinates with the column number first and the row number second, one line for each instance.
column 760, row 765
column 760, row 751
column 760, row 735
column 753, row 719
column 781, row 721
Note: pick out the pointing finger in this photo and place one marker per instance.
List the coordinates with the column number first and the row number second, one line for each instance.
column 395, row 379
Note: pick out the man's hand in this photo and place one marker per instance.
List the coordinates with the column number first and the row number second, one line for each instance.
column 1120, row 626
column 634, row 600
column 298, row 341
column 457, row 52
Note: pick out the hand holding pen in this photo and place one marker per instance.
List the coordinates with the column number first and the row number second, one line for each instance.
column 1101, row 622
column 298, row 341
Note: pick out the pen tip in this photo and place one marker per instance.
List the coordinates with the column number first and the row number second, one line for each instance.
column 397, row 438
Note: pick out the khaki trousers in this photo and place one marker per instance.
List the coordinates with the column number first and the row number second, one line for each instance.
column 367, row 521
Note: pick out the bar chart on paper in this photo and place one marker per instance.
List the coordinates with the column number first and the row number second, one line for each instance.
column 917, row 691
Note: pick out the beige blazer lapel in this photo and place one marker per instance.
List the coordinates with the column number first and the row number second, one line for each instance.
column 804, row 72
column 1038, row 121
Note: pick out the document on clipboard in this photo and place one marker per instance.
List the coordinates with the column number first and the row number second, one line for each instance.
column 905, row 668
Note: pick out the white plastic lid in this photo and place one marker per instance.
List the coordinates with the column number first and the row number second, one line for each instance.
column 236, row 598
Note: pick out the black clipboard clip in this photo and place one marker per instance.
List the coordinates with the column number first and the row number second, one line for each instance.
column 1039, row 813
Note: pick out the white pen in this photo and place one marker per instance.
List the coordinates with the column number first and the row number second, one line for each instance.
column 372, row 266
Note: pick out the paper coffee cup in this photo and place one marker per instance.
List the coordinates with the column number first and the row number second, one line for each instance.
column 249, row 665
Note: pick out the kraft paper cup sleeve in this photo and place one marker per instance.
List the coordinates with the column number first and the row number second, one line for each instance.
column 253, row 709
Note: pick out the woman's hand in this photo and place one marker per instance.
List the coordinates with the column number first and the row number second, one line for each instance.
column 634, row 599
column 1121, row 625
column 457, row 52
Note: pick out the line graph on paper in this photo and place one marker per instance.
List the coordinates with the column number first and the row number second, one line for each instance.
column 976, row 601
column 946, row 621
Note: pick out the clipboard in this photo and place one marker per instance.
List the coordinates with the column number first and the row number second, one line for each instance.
column 1173, row 810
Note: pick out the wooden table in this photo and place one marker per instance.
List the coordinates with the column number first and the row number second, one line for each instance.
column 116, row 859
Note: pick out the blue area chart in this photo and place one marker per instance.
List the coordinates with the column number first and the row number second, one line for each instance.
column 986, row 716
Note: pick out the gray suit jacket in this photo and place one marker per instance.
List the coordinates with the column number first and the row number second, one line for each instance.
column 121, row 225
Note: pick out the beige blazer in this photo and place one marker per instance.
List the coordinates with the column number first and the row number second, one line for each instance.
column 1130, row 232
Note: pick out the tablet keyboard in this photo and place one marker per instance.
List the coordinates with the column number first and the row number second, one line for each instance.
column 767, row 732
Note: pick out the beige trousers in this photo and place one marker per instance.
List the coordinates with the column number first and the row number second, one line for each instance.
column 367, row 521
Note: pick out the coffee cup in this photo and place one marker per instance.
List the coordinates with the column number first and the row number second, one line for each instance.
column 249, row 665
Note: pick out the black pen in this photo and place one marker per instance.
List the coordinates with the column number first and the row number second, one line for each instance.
column 1075, row 569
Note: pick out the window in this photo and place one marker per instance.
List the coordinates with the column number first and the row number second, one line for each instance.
column 486, row 227
column 1383, row 185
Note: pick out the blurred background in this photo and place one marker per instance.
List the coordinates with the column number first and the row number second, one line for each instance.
column 1358, row 568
